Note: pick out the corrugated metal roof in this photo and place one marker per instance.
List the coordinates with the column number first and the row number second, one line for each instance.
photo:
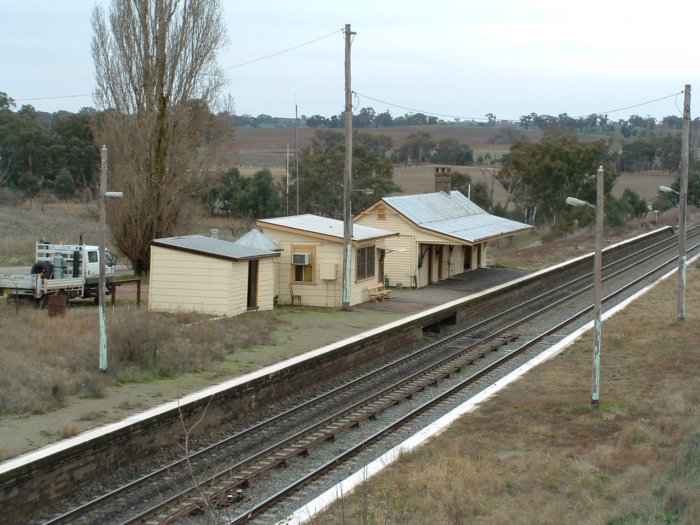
column 213, row 247
column 454, row 215
column 257, row 239
column 325, row 226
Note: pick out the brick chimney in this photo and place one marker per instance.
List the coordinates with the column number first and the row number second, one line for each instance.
column 443, row 179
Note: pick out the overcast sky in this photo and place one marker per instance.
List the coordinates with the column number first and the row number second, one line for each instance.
column 457, row 58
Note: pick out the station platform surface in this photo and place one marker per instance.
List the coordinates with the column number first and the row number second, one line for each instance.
column 456, row 287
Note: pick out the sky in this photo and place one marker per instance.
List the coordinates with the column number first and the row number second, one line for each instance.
column 450, row 58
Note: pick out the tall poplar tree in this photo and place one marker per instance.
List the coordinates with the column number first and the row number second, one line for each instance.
column 157, row 77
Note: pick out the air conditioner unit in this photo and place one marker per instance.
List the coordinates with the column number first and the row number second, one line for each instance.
column 301, row 259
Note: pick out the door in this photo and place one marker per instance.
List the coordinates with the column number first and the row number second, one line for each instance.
column 380, row 270
column 252, row 285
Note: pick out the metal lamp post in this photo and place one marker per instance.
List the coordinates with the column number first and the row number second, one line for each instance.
column 597, row 279
column 104, row 194
column 682, row 256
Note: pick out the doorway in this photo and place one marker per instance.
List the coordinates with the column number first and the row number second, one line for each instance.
column 252, row 285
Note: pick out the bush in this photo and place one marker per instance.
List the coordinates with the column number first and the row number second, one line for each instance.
column 639, row 206
column 64, row 186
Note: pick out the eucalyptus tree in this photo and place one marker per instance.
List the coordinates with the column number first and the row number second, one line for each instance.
column 541, row 175
column 157, row 77
column 322, row 168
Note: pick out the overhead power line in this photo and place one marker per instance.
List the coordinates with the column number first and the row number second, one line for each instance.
column 634, row 106
column 283, row 51
column 51, row 98
column 260, row 59
column 432, row 113
column 418, row 110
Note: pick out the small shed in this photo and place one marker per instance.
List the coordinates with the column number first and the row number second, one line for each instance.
column 195, row 273
column 441, row 234
column 311, row 262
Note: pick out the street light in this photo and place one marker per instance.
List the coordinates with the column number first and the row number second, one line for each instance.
column 573, row 201
column 104, row 194
column 597, row 266
column 682, row 267
column 666, row 189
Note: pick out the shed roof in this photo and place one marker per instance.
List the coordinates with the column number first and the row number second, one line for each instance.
column 257, row 239
column 213, row 247
column 325, row 227
column 454, row 215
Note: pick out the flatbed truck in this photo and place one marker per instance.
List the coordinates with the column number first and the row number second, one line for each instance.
column 65, row 269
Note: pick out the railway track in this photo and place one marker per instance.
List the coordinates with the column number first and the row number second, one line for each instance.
column 219, row 478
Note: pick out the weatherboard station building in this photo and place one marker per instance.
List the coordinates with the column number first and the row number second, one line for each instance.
column 440, row 234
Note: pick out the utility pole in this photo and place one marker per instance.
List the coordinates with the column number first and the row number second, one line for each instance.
column 347, row 186
column 296, row 154
column 683, row 205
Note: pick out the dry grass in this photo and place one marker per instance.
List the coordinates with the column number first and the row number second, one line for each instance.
column 46, row 360
column 535, row 250
column 21, row 227
column 537, row 454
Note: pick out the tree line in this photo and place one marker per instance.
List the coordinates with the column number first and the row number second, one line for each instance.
column 367, row 117
column 47, row 152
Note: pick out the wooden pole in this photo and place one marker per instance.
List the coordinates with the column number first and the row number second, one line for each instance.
column 347, row 183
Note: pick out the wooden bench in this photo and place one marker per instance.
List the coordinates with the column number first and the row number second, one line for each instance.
column 377, row 293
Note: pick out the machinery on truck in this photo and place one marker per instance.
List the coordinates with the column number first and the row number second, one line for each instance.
column 66, row 269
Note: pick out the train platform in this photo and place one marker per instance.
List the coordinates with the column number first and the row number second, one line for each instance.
column 456, row 287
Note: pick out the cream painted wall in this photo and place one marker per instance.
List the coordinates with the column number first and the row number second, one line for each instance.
column 402, row 267
column 320, row 292
column 189, row 282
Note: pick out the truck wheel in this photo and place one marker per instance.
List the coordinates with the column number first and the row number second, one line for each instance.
column 43, row 267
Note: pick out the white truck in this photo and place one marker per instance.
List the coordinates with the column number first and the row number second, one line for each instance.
column 67, row 269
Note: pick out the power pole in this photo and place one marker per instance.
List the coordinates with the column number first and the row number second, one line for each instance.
column 683, row 205
column 296, row 154
column 347, row 186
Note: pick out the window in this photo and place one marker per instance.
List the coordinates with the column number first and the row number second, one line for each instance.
column 304, row 273
column 92, row 257
column 381, row 213
column 365, row 262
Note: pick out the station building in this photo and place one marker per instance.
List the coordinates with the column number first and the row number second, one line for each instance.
column 309, row 269
column 440, row 234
